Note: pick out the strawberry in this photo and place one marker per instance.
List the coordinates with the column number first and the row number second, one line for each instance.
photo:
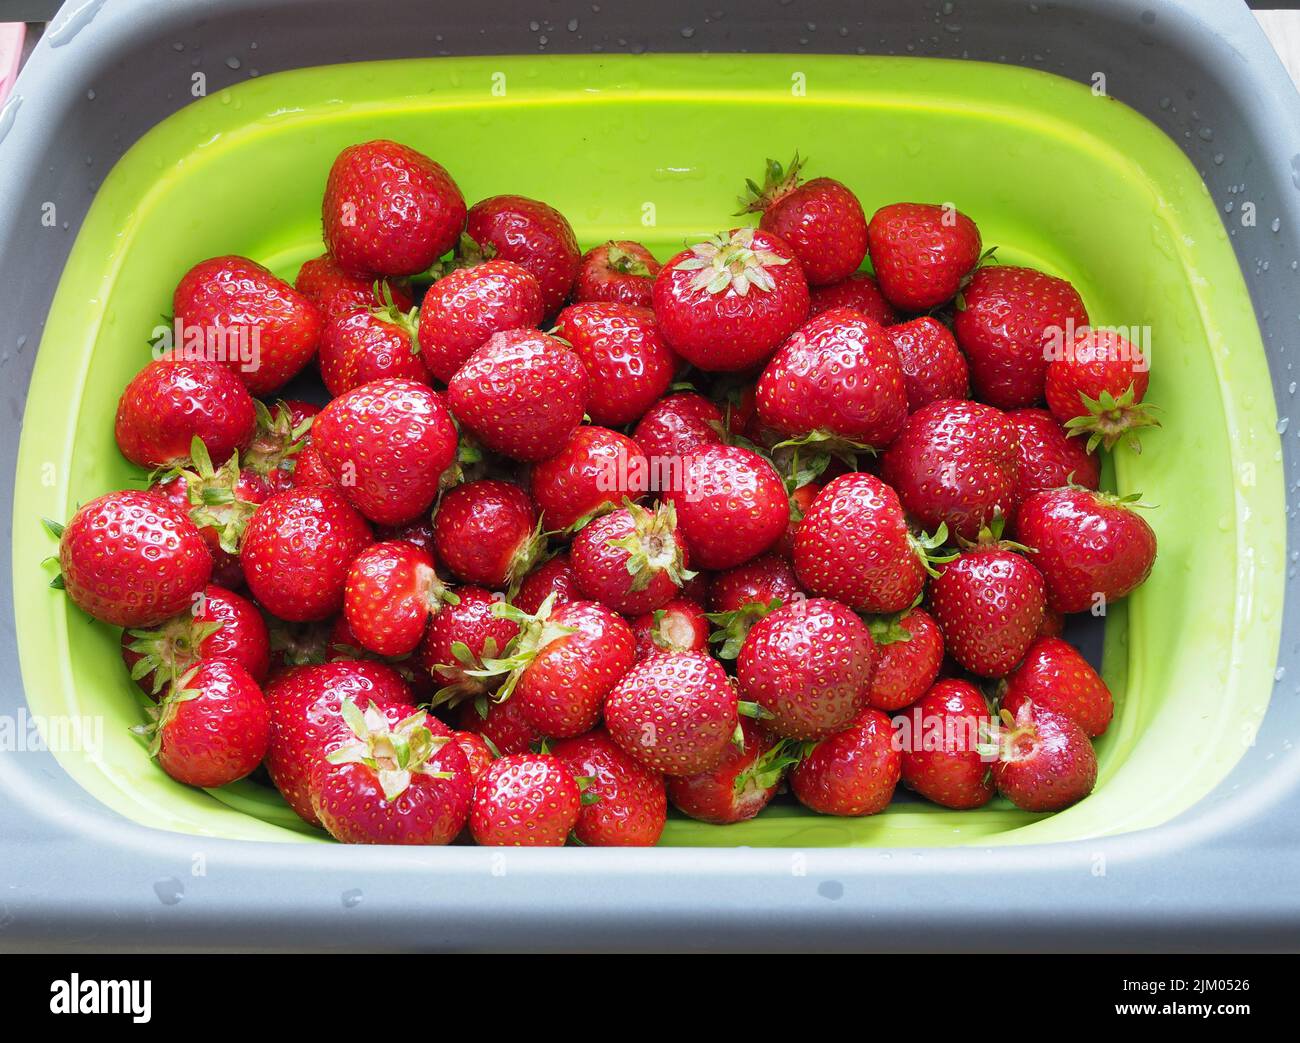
column 250, row 321
column 310, row 469
column 533, row 235
column 1045, row 761
column 821, row 220
column 501, row 724
column 836, row 381
column 632, row 560
column 679, row 626
column 212, row 728
column 131, row 559
column 478, row 754
column 933, row 366
column 853, row 545
column 1054, row 676
column 729, row 302
column 418, row 533
column 388, row 445
column 521, row 394
column 851, row 773
column 943, row 761
column 676, row 424
column 731, row 505
column 170, row 403
column 738, row 788
column 392, row 591
column 1092, row 547
column 595, row 472
column 909, row 652
column 563, row 664
column 624, row 803
column 305, row 704
column 989, row 604
column 463, row 634
column 281, row 434
column 1005, row 323
column 389, row 783
column 1048, row 458
column 801, row 501
column 390, row 209
column 859, row 291
column 375, row 344
column 921, row 253
column 675, row 712
column 487, row 532
column 554, row 576
column 1095, row 388
column 618, row 270
column 525, row 800
column 219, row 625
column 741, row 596
column 337, row 292
column 955, row 464
column 297, row 550
column 629, row 364
column 1053, row 624
column 467, row 305
column 807, row 665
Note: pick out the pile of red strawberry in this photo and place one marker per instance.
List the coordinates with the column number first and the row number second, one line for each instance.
column 583, row 534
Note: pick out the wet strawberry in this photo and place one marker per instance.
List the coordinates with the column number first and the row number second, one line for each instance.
column 933, row 366
column 1054, row 676
column 629, row 364
column 282, row 433
column 921, row 253
column 618, row 270
column 592, row 475
column 501, row 724
column 623, row 803
column 461, row 636
column 859, row 292
column 738, row 788
column 535, row 236
column 554, row 576
column 801, row 501
column 337, row 292
column 392, row 591
column 679, row 626
column 676, row 424
column 944, row 761
column 632, row 560
column 852, row 773
column 525, row 800
column 1096, row 387
column 909, row 652
column 467, row 305
column 374, row 344
column 731, row 506
column 487, row 532
column 1048, row 458
column 478, row 754
column 1045, row 761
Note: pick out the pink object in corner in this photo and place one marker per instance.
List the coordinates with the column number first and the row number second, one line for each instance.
column 12, row 35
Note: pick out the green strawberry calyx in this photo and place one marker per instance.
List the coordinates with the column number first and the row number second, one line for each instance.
column 990, row 538
column 734, row 626
column 164, row 713
column 276, row 441
column 931, row 550
column 654, row 546
column 1109, row 418
column 731, row 262
column 388, row 311
column 619, row 260
column 770, row 766
column 778, row 182
column 825, row 445
column 394, row 752
column 213, row 497
column 170, row 650
column 534, row 550
column 536, row 631
column 463, row 677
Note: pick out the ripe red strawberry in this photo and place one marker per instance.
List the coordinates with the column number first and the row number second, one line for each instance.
column 674, row 712
column 375, row 344
column 461, row 636
column 390, row 209
column 909, row 652
column 807, row 665
column 309, row 469
column 933, row 366
column 729, row 302
column 305, row 703
column 944, row 761
column 389, row 783
column 676, row 424
column 533, row 235
column 854, row 545
column 1092, row 547
column 1054, row 676
column 1048, row 458
column 629, row 364
column 169, row 403
column 595, row 472
column 1045, row 761
column 219, row 625
column 501, row 724
column 738, row 788
column 731, row 505
column 337, row 292
column 392, row 591
column 921, row 253
column 297, row 550
column 632, row 560
column 1096, row 386
column 741, row 596
column 836, row 381
column 955, row 465
column 821, row 220
column 554, row 576
column 624, row 803
column 131, row 559
column 487, row 532
column 1005, row 323
column 851, row 773
column 478, row 754
column 418, row 533
column 860, row 292
column 680, row 626
column 250, row 321
column 387, row 444
column 619, row 270
column 989, row 604
column 281, row 434
column 212, row 728
column 801, row 501
column 467, row 305
column 1053, row 624
column 525, row 800
column 521, row 394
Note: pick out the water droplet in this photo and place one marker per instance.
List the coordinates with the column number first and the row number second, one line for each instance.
column 1205, row 134
column 1282, row 424
column 1218, row 159
column 1276, row 224
column 687, row 32
column 178, row 46
column 832, row 889
column 573, row 25
column 90, row 94
column 9, row 113
column 169, row 891
column 1279, row 673
column 233, row 63
column 351, row 898
column 67, row 26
